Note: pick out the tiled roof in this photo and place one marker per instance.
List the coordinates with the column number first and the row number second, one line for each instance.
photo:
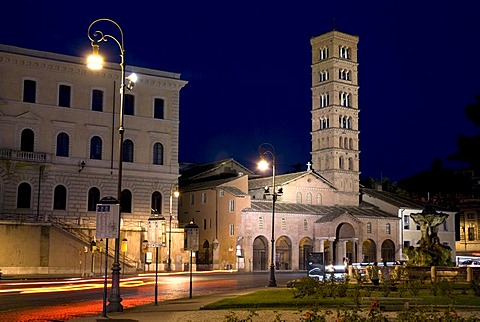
column 328, row 213
column 193, row 170
column 206, row 184
column 394, row 199
column 256, row 183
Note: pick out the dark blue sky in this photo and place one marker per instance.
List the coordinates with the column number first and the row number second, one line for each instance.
column 248, row 68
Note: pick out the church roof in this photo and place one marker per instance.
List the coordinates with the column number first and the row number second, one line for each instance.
column 283, row 179
column 327, row 213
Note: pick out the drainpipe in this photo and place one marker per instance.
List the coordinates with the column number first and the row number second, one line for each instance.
column 40, row 172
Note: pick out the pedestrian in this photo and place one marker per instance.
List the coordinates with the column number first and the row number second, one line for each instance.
column 385, row 271
column 345, row 263
column 374, row 277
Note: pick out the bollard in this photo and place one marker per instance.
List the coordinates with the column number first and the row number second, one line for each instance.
column 469, row 274
column 433, row 273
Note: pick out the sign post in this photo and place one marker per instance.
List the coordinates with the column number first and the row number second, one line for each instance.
column 191, row 232
column 108, row 226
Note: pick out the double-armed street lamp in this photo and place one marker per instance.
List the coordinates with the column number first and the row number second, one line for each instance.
column 95, row 62
column 264, row 149
column 173, row 193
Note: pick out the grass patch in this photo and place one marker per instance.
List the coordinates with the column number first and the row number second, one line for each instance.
column 281, row 298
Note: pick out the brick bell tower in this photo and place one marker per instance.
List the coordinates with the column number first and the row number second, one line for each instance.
column 335, row 132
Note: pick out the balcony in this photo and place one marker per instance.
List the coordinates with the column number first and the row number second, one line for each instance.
column 25, row 156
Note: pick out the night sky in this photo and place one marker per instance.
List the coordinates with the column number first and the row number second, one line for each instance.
column 248, row 68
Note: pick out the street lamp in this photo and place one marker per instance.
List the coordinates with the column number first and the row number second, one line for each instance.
column 173, row 193
column 264, row 149
column 95, row 62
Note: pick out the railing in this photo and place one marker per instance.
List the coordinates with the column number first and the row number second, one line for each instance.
column 75, row 231
column 25, row 156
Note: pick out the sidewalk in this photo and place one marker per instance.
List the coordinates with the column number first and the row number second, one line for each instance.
column 183, row 310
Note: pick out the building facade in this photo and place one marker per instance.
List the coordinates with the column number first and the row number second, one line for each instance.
column 59, row 151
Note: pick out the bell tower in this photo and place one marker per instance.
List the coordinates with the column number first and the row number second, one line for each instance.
column 335, row 132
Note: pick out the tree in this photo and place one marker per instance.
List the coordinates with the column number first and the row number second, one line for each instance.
column 468, row 145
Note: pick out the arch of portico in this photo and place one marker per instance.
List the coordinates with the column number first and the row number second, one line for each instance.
column 304, row 248
column 260, row 254
column 283, row 253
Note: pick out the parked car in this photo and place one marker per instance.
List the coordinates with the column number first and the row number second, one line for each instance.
column 320, row 273
column 469, row 262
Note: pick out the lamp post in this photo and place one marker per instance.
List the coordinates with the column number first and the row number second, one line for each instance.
column 264, row 149
column 124, row 248
column 173, row 193
column 192, row 239
column 95, row 62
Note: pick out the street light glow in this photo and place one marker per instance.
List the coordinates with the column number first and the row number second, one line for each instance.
column 263, row 165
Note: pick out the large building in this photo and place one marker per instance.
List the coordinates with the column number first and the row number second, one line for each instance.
column 317, row 210
column 59, row 156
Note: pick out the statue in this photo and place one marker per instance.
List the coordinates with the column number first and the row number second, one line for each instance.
column 430, row 251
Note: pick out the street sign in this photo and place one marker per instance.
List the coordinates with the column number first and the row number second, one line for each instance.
column 108, row 221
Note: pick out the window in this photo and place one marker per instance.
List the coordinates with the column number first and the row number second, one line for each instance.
column 231, row 205
column 471, row 233
column 284, row 223
column 324, row 100
column 387, row 229
column 158, row 153
column 204, row 197
column 406, row 243
column 232, row 230
column 27, row 140
column 60, row 198
column 204, row 224
column 158, row 108
column 64, row 93
column 126, row 201
column 156, row 203
column 221, row 193
column 24, row 194
column 127, row 151
column 309, row 198
column 62, row 145
column 344, row 52
column 319, row 199
column 406, row 221
column 129, row 107
column 29, row 91
column 97, row 100
column 93, row 198
column 261, row 222
column 323, row 75
column 305, row 224
column 192, row 199
column 344, row 99
column 369, row 227
column 299, row 197
column 323, row 53
column 445, row 225
column 344, row 74
column 470, row 216
column 96, row 148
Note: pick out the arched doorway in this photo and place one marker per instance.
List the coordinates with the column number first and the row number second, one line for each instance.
column 305, row 247
column 283, row 253
column 388, row 250
column 344, row 243
column 369, row 251
column 260, row 250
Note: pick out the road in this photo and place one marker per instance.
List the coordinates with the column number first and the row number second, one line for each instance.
column 65, row 299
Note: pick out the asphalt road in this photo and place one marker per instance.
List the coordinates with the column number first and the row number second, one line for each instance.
column 65, row 299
